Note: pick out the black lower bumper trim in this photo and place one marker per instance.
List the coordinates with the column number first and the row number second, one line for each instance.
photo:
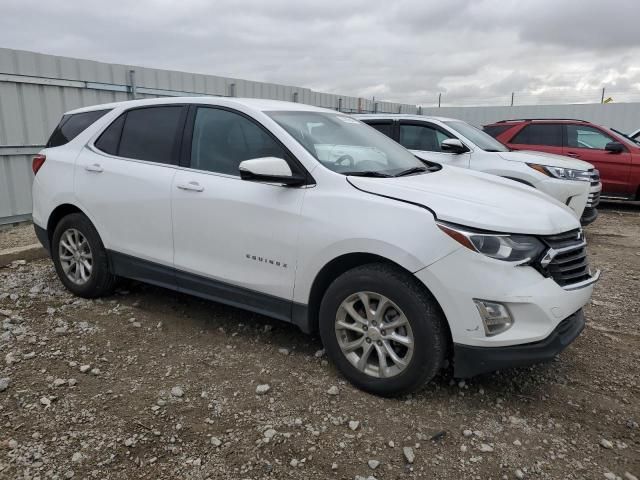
column 589, row 215
column 469, row 360
column 43, row 237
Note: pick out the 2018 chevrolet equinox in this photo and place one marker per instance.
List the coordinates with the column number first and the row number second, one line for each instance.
column 399, row 264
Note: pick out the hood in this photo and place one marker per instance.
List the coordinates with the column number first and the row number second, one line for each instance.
column 476, row 200
column 543, row 158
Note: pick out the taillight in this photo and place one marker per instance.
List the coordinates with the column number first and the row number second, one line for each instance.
column 37, row 163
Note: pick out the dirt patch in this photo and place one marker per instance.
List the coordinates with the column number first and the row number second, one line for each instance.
column 17, row 236
column 91, row 391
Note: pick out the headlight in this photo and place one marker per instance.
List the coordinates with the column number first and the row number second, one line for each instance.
column 520, row 249
column 562, row 173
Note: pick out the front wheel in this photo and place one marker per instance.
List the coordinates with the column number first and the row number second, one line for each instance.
column 80, row 257
column 382, row 329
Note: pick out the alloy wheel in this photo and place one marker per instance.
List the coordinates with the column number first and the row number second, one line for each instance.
column 75, row 256
column 374, row 334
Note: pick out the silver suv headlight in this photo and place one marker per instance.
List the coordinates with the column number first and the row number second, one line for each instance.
column 562, row 173
column 515, row 248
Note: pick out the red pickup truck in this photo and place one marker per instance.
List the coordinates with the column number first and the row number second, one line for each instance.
column 616, row 156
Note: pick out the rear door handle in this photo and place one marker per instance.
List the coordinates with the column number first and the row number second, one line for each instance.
column 93, row 168
column 573, row 154
column 191, row 186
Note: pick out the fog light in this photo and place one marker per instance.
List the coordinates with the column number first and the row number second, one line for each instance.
column 495, row 317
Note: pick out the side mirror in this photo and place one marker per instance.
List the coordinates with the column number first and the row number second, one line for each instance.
column 453, row 145
column 614, row 147
column 269, row 170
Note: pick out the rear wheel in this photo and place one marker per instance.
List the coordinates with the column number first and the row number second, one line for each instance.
column 80, row 257
column 382, row 329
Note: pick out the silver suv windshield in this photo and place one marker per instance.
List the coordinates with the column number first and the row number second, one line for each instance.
column 346, row 145
column 481, row 139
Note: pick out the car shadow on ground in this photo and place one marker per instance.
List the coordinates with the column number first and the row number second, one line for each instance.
column 248, row 328
column 612, row 205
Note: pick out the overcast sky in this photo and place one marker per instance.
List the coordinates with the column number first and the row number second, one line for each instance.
column 474, row 52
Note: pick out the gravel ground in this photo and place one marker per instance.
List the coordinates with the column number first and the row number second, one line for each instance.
column 17, row 236
column 152, row 384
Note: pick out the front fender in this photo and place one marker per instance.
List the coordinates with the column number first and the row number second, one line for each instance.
column 336, row 224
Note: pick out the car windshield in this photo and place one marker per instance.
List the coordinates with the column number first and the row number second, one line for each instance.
column 346, row 145
column 481, row 139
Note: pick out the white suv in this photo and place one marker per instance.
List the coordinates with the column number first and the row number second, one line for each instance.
column 456, row 143
column 399, row 266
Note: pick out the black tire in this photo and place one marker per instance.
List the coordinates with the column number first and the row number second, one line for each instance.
column 101, row 281
column 420, row 308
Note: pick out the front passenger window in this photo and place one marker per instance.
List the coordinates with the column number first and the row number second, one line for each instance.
column 582, row 136
column 222, row 139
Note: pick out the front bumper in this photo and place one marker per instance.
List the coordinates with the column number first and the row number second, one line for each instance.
column 470, row 360
column 588, row 216
column 591, row 212
column 573, row 194
column 537, row 304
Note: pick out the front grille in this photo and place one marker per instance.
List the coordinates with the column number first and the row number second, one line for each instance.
column 594, row 177
column 593, row 200
column 570, row 264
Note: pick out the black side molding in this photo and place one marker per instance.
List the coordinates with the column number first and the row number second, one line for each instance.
column 43, row 237
column 168, row 277
column 136, row 268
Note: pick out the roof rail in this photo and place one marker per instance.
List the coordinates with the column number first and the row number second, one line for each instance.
column 531, row 119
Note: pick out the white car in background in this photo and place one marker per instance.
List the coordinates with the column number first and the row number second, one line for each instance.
column 399, row 266
column 454, row 142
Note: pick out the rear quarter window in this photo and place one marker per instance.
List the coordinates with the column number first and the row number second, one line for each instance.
column 109, row 141
column 71, row 126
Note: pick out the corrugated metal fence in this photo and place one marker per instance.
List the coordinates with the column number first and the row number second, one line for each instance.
column 36, row 89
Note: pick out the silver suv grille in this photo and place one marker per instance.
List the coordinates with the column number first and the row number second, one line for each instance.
column 594, row 197
column 593, row 200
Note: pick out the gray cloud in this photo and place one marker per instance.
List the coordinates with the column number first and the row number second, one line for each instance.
column 407, row 50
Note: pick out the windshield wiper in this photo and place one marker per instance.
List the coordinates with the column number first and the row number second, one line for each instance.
column 367, row 173
column 410, row 171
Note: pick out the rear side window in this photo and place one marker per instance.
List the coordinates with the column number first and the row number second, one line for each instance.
column 73, row 125
column 549, row 134
column 382, row 127
column 144, row 134
column 422, row 137
column 495, row 130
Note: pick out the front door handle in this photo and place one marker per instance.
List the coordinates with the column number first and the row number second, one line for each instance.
column 191, row 186
column 93, row 168
column 573, row 154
